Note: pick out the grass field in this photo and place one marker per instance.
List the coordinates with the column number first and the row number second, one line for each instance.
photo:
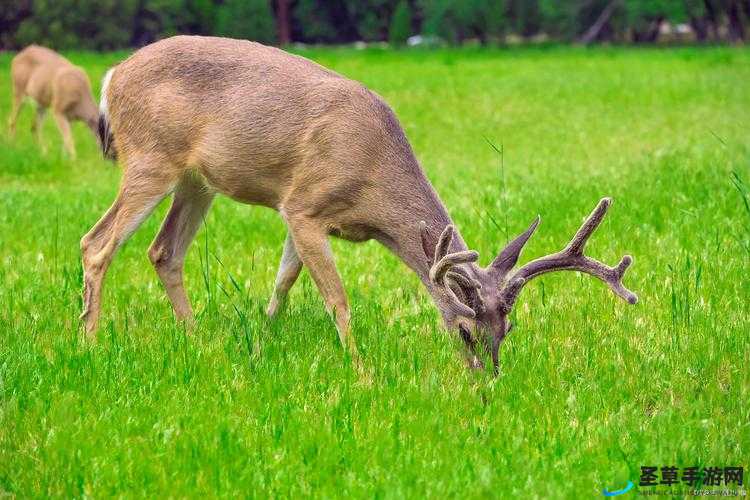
column 591, row 388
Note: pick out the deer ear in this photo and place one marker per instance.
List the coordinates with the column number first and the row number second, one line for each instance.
column 504, row 262
column 423, row 235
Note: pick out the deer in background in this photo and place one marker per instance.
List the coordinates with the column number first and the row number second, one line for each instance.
column 53, row 83
column 197, row 116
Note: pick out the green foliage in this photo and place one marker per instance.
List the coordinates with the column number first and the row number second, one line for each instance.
column 372, row 18
column 12, row 14
column 456, row 20
column 108, row 24
column 167, row 18
column 591, row 388
column 525, row 17
column 568, row 19
column 639, row 14
column 250, row 19
column 314, row 21
column 90, row 24
column 560, row 17
column 400, row 24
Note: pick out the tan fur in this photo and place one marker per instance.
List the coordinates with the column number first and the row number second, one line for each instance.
column 202, row 115
column 53, row 83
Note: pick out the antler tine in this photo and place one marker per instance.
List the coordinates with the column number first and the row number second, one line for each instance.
column 616, row 284
column 457, row 306
column 444, row 242
column 443, row 271
column 462, row 280
column 507, row 259
column 442, row 260
column 571, row 258
column 457, row 281
column 423, row 235
column 578, row 243
column 440, row 268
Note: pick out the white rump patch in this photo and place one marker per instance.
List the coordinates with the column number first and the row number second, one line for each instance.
column 105, row 85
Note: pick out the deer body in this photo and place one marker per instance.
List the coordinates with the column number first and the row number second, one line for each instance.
column 266, row 128
column 53, row 83
column 199, row 116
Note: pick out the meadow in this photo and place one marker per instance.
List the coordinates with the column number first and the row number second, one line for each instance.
column 590, row 389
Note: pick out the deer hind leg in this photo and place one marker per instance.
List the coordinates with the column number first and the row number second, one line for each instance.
column 167, row 253
column 141, row 190
column 64, row 125
column 289, row 269
column 36, row 126
column 311, row 242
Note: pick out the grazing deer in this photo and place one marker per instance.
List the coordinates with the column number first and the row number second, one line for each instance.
column 52, row 82
column 198, row 116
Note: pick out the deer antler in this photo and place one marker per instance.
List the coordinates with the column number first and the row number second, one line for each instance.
column 445, row 274
column 571, row 258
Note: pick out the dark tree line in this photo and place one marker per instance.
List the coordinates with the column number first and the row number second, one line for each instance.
column 111, row 24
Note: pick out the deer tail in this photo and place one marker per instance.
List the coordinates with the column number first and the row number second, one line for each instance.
column 106, row 140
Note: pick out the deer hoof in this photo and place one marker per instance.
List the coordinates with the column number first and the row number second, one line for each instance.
column 475, row 363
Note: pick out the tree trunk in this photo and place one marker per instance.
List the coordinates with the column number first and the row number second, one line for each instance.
column 650, row 34
column 593, row 32
column 736, row 29
column 700, row 28
column 282, row 22
column 712, row 21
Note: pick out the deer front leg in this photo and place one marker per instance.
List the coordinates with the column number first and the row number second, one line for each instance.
column 311, row 242
column 16, row 109
column 289, row 269
column 64, row 125
column 167, row 252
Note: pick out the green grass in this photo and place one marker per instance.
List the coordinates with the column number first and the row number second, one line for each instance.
column 591, row 388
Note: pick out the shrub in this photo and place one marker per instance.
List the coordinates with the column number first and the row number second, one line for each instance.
column 400, row 24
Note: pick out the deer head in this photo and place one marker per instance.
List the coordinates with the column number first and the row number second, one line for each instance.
column 477, row 301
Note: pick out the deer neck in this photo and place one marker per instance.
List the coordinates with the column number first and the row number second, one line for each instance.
column 403, row 235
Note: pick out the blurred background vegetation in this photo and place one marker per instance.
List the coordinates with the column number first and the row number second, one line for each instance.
column 114, row 24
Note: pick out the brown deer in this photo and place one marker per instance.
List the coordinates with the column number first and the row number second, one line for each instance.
column 52, row 82
column 199, row 116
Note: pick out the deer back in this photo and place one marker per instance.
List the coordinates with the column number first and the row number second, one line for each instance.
column 261, row 125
